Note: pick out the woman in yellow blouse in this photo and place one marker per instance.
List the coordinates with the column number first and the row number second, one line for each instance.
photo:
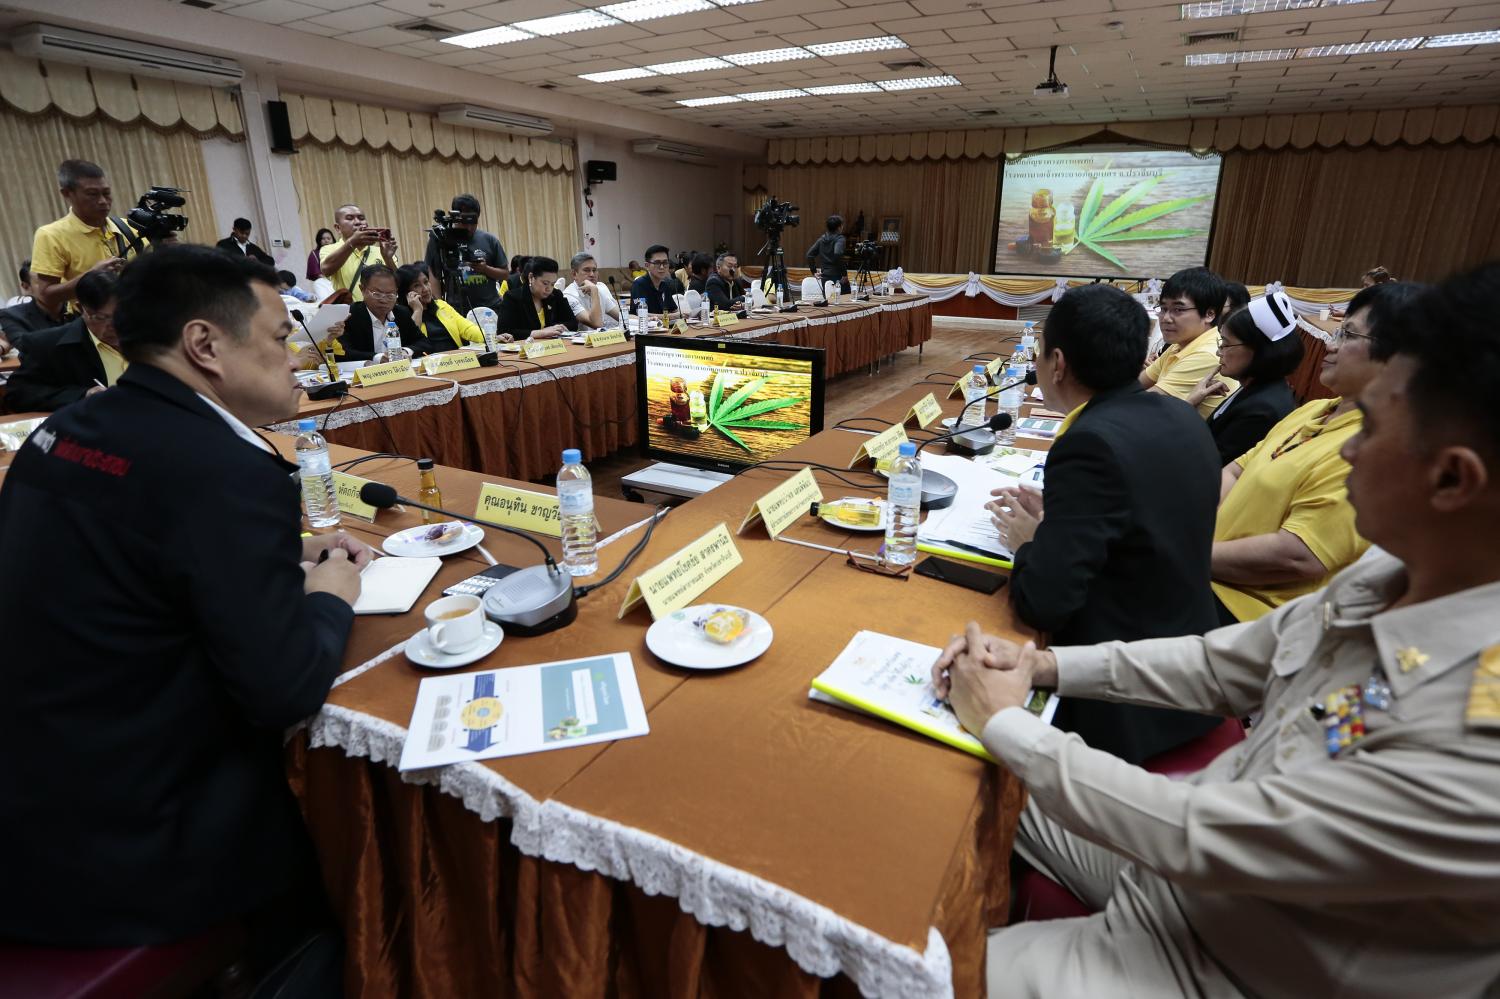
column 1285, row 524
column 441, row 325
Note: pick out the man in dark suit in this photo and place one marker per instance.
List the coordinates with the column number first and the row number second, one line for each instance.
column 238, row 242
column 165, row 624
column 723, row 284
column 364, row 330
column 657, row 286
column 1120, row 547
column 63, row 364
column 25, row 317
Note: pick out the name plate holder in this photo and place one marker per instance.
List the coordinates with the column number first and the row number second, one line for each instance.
column 543, row 348
column 459, row 360
column 782, row 506
column 924, row 412
column 882, row 447
column 682, row 576
column 380, row 374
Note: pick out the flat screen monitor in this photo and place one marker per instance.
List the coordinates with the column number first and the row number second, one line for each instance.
column 723, row 404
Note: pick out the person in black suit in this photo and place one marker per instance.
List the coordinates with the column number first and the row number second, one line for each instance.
column 1259, row 346
column 238, row 243
column 165, row 623
column 657, row 286
column 723, row 286
column 364, row 330
column 1119, row 548
column 25, row 317
column 698, row 270
column 63, row 364
column 533, row 307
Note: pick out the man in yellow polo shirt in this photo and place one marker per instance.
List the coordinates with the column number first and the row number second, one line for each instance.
column 1191, row 302
column 83, row 240
column 356, row 249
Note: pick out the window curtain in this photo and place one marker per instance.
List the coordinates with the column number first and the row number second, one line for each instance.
column 947, row 208
column 533, row 211
column 135, row 157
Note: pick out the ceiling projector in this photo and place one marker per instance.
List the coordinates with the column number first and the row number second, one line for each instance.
column 1051, row 86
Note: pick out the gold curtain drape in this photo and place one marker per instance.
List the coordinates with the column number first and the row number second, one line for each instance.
column 947, row 207
column 135, row 157
column 1322, row 217
column 532, row 211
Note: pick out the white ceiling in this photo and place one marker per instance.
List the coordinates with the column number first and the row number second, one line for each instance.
column 1124, row 59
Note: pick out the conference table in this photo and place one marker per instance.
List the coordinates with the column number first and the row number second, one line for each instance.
column 754, row 843
column 515, row 419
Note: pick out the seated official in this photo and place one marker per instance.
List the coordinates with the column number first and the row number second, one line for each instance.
column 165, row 623
column 1312, row 859
column 86, row 239
column 23, row 285
column 1285, row 524
column 364, row 330
column 657, row 286
column 1192, row 303
column 79, row 358
column 286, row 284
column 1258, row 347
column 1117, row 548
column 533, row 308
column 724, row 285
column 441, row 325
column 698, row 270
column 30, row 316
column 593, row 304
column 357, row 247
column 238, row 243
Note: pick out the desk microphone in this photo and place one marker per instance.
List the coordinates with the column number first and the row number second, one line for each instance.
column 530, row 601
column 334, row 389
column 981, row 440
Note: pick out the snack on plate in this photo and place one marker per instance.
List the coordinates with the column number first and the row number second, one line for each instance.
column 724, row 625
column 442, row 534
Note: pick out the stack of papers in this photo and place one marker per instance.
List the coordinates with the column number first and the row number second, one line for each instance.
column 965, row 529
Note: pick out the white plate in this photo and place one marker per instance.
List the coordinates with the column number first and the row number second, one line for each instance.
column 856, row 527
column 409, row 543
column 676, row 640
column 420, row 651
column 511, row 348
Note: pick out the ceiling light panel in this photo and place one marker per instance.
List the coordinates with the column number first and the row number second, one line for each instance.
column 649, row 10
column 1230, row 58
column 1359, row 48
column 616, row 75
column 689, row 66
column 708, row 102
column 1467, row 38
column 845, row 88
column 917, row 83
column 562, row 24
column 1233, row 8
column 489, row 36
column 768, row 55
column 858, row 45
column 772, row 95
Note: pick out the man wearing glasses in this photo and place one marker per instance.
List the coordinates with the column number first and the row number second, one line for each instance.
column 66, row 363
column 658, row 285
column 364, row 330
column 1191, row 301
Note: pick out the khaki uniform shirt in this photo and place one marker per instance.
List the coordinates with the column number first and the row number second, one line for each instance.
column 1372, row 872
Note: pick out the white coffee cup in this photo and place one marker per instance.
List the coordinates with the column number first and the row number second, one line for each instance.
column 1324, row 313
column 455, row 624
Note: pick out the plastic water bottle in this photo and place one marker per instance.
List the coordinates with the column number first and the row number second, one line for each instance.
column 904, row 507
column 975, row 391
column 394, row 351
column 780, row 298
column 1028, row 338
column 642, row 317
column 319, row 496
column 575, row 497
column 1012, row 398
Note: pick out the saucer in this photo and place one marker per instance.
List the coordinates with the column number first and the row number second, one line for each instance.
column 420, row 651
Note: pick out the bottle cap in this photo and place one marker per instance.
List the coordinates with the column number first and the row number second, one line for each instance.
column 978, row 368
column 307, row 423
column 909, row 449
column 572, row 456
column 424, row 464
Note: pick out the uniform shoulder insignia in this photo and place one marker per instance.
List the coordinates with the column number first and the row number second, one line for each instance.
column 1483, row 710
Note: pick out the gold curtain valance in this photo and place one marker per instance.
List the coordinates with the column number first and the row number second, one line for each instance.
column 33, row 87
column 327, row 121
column 1412, row 127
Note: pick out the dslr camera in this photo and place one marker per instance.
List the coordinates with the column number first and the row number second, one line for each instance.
column 152, row 216
column 774, row 216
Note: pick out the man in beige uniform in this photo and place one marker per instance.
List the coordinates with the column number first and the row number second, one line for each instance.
column 1351, row 845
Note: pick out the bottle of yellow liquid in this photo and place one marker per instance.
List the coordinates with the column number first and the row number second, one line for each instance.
column 427, row 490
column 853, row 512
column 1064, row 228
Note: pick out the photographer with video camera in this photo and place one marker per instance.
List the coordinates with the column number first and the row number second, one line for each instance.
column 826, row 256
column 86, row 239
column 467, row 263
column 343, row 260
column 772, row 218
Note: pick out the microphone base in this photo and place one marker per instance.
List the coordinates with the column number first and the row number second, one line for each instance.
column 938, row 491
column 975, row 442
column 332, row 390
column 532, row 601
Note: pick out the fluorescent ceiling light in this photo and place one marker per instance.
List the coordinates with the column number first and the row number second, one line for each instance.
column 646, row 10
column 562, row 24
column 858, row 45
column 1231, row 8
column 917, row 83
column 1229, row 58
column 489, row 36
column 845, row 88
column 1467, row 38
column 768, row 55
column 689, row 66
column 708, row 102
column 772, row 95
column 1359, row 48
column 615, row 75
column 733, row 3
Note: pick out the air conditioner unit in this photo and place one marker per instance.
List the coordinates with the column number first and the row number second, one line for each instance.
column 43, row 41
column 680, row 151
column 495, row 121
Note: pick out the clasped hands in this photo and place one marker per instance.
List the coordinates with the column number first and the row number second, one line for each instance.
column 981, row 675
column 1016, row 512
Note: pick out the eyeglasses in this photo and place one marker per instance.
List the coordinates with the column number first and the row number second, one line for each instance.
column 1344, row 333
column 870, row 562
column 658, row 263
column 1177, row 310
column 1226, row 345
column 102, row 318
column 382, row 295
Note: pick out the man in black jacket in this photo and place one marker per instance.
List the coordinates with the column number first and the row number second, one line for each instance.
column 1122, row 552
column 25, row 317
column 723, row 284
column 63, row 364
column 364, row 330
column 826, row 256
column 238, row 243
column 165, row 624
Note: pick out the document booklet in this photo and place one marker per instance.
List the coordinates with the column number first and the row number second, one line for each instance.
column 891, row 678
column 523, row 709
column 392, row 585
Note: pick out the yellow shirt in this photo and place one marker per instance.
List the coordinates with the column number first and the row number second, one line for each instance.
column 459, row 327
column 1179, row 368
column 114, row 363
column 347, row 276
column 1068, row 421
column 70, row 246
column 1293, row 480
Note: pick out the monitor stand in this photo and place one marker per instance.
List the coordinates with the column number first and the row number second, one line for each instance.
column 672, row 480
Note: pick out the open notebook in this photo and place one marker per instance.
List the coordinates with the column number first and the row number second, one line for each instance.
column 392, row 585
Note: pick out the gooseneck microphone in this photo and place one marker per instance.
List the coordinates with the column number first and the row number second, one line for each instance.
column 333, row 389
column 971, row 439
column 529, row 601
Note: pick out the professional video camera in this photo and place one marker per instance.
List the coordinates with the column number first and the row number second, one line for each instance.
column 865, row 251
column 453, row 235
column 151, row 217
column 447, row 227
column 774, row 216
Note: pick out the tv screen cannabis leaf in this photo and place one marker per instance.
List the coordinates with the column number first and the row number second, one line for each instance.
column 1111, row 214
column 725, row 404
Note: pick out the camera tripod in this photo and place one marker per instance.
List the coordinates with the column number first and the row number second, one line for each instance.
column 776, row 264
